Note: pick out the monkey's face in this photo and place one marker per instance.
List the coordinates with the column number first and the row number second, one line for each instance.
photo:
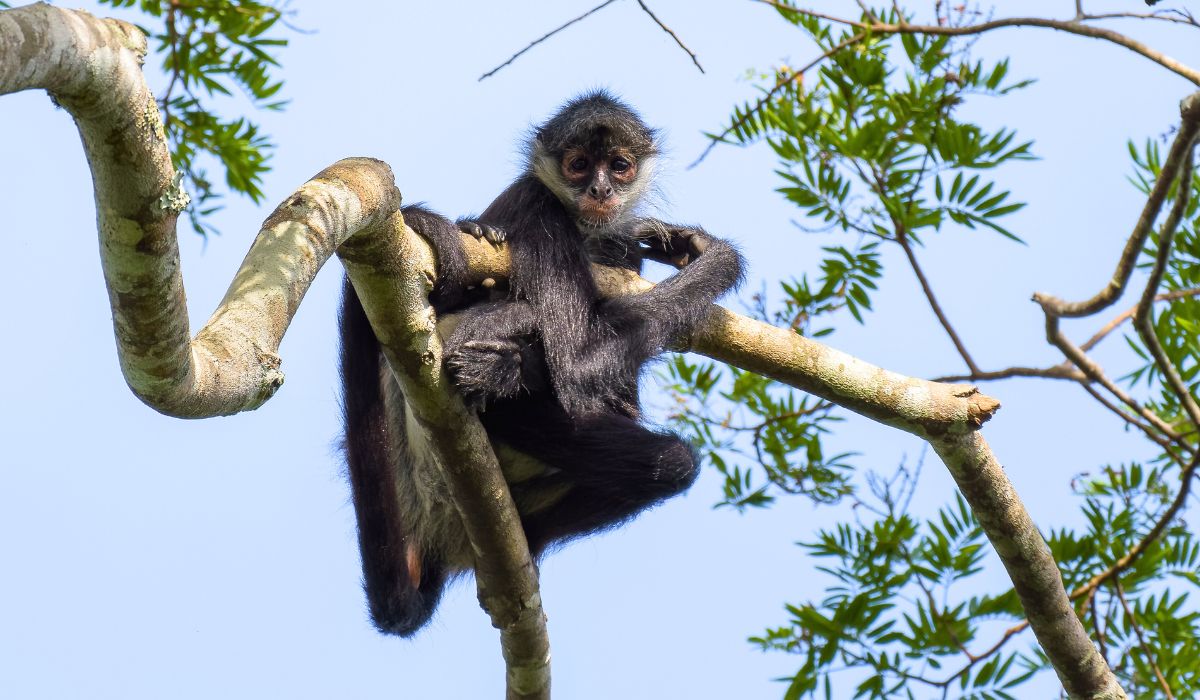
column 601, row 182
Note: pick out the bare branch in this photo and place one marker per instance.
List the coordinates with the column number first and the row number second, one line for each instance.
column 1093, row 371
column 1149, row 431
column 1128, row 314
column 1144, row 316
column 1181, row 149
column 1055, row 372
column 546, row 36
column 1170, row 15
column 667, row 29
column 905, row 244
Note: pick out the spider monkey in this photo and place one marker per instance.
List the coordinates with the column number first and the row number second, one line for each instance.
column 552, row 367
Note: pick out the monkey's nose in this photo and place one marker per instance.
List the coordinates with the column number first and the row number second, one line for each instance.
column 601, row 193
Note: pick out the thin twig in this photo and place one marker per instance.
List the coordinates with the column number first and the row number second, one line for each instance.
column 1148, row 430
column 1093, row 371
column 1062, row 371
column 1128, row 314
column 667, row 29
column 1137, row 629
column 796, row 75
column 546, row 36
column 1071, row 26
column 933, row 303
column 1180, row 17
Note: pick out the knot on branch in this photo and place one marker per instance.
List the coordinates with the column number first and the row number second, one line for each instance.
column 980, row 406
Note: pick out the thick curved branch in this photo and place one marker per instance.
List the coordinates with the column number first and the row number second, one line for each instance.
column 92, row 67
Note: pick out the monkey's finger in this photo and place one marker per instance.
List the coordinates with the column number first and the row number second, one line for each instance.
column 470, row 227
column 494, row 234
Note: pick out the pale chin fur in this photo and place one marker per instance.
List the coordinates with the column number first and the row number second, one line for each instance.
column 545, row 168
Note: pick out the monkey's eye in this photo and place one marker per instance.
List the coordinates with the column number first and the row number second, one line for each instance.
column 579, row 165
column 619, row 165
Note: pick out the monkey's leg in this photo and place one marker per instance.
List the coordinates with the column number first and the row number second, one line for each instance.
column 616, row 468
column 493, row 353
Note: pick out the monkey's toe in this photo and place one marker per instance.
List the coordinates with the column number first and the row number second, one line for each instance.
column 499, row 347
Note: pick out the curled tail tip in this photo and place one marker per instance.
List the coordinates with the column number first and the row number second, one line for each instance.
column 403, row 614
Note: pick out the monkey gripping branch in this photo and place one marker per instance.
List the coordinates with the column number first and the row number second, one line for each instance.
column 92, row 68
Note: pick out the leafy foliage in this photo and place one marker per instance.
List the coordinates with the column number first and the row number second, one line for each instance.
column 209, row 49
column 870, row 144
column 893, row 617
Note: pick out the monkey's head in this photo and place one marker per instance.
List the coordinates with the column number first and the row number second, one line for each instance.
column 596, row 155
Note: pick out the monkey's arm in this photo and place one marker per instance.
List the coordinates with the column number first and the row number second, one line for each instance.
column 674, row 308
column 452, row 289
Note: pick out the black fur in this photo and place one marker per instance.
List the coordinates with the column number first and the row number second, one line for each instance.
column 553, row 368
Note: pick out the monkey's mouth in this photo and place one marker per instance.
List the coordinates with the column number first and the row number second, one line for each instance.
column 597, row 214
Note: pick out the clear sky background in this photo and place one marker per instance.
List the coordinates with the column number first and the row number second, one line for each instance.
column 149, row 557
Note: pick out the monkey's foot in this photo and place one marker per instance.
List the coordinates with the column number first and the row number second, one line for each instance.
column 485, row 369
column 494, row 234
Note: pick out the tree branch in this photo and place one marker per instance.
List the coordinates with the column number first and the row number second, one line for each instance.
column 1071, row 26
column 1128, row 314
column 1143, row 318
column 906, row 245
column 392, row 270
column 546, row 36
column 1061, row 371
column 672, row 34
column 1181, row 149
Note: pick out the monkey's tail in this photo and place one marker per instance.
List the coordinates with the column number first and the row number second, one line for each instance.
column 402, row 583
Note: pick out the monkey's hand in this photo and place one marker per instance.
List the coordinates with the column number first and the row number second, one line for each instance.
column 494, row 234
column 669, row 243
column 485, row 370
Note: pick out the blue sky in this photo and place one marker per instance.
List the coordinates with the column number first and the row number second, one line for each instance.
column 150, row 557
